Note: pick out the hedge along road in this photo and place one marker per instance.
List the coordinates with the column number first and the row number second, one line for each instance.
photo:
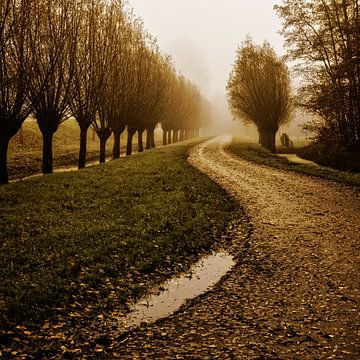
column 295, row 290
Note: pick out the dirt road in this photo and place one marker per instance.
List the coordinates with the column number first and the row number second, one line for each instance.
column 295, row 292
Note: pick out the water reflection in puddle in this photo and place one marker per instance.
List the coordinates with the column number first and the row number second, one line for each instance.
column 203, row 275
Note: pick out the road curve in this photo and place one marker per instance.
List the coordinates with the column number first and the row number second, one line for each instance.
column 295, row 292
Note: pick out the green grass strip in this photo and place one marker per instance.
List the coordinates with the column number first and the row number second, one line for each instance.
column 259, row 155
column 109, row 231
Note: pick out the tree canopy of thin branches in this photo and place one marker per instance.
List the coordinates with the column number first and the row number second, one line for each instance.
column 259, row 91
column 323, row 37
column 184, row 114
column 95, row 55
column 53, row 46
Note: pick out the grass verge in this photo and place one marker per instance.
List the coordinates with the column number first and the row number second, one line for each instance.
column 259, row 155
column 103, row 235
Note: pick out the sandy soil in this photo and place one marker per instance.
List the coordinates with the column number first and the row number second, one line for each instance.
column 295, row 291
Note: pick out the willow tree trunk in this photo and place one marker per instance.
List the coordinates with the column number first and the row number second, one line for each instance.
column 140, row 141
column 83, row 142
column 148, row 139
column 103, row 140
column 4, row 145
column 175, row 136
column 164, row 137
column 169, row 136
column 182, row 135
column 116, row 146
column 130, row 136
column 152, row 138
column 47, row 162
column 268, row 140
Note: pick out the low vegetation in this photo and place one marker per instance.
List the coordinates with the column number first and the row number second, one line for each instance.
column 335, row 157
column 101, row 236
column 259, row 155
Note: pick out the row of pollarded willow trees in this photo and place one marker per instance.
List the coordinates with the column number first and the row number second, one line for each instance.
column 94, row 61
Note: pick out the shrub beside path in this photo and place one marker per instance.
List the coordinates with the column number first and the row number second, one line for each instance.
column 295, row 291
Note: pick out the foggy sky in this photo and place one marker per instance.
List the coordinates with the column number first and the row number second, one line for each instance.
column 202, row 35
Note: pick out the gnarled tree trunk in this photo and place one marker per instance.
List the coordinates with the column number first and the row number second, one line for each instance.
column 103, row 140
column 152, row 138
column 103, row 134
column 175, row 135
column 130, row 135
column 4, row 145
column 169, row 136
column 140, row 141
column 83, row 143
column 268, row 140
column 148, row 139
column 116, row 146
column 47, row 161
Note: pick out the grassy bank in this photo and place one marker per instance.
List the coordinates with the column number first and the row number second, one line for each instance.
column 332, row 157
column 259, row 155
column 103, row 235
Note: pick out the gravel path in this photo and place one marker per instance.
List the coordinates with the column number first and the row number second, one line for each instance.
column 295, row 291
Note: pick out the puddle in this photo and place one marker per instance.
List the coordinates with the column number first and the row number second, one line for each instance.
column 296, row 159
column 202, row 277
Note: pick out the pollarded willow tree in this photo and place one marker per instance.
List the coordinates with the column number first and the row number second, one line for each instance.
column 259, row 90
column 54, row 48
column 16, row 68
column 161, row 74
column 323, row 36
column 145, row 54
column 112, row 110
column 191, row 118
column 94, row 60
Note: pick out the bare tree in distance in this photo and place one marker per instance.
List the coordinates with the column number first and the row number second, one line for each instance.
column 184, row 113
column 118, row 90
column 156, row 90
column 258, row 90
column 143, row 57
column 167, row 111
